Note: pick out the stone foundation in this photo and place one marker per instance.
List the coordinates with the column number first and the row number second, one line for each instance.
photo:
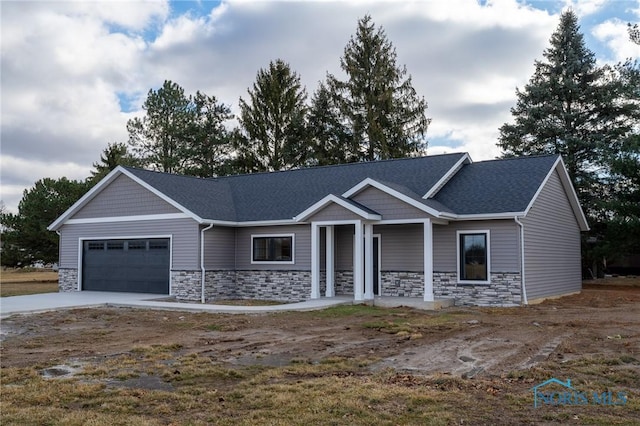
column 343, row 282
column 186, row 285
column 67, row 280
column 288, row 286
column 503, row 290
column 401, row 284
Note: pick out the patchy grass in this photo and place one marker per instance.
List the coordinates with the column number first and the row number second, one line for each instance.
column 18, row 282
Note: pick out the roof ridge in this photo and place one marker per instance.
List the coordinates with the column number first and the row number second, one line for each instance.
column 523, row 157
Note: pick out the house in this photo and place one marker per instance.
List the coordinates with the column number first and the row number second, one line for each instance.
column 500, row 232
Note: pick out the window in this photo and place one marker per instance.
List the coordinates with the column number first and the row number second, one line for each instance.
column 473, row 256
column 115, row 245
column 95, row 245
column 272, row 248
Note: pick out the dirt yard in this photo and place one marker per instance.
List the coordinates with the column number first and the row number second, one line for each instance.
column 345, row 365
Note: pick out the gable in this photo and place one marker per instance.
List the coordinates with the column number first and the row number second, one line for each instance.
column 334, row 212
column 124, row 197
column 388, row 206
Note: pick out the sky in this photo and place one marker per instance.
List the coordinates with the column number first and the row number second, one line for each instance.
column 73, row 73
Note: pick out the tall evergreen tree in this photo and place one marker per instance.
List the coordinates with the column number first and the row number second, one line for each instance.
column 114, row 155
column 273, row 130
column 25, row 237
column 589, row 115
column 160, row 138
column 180, row 133
column 329, row 135
column 568, row 108
column 381, row 110
column 209, row 142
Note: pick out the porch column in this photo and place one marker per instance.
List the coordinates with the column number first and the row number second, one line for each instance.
column 315, row 261
column 358, row 281
column 368, row 261
column 428, row 261
column 330, row 268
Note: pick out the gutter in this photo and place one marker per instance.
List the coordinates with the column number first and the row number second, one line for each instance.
column 202, row 270
column 524, row 287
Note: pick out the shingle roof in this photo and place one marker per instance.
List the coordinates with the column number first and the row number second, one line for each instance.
column 282, row 195
column 484, row 187
column 496, row 186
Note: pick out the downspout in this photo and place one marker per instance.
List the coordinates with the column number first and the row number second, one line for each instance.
column 202, row 299
column 524, row 287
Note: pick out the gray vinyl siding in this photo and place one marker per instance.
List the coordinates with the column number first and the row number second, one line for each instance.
column 184, row 232
column 551, row 244
column 302, row 247
column 124, row 197
column 388, row 206
column 343, row 235
column 402, row 247
column 504, row 244
column 220, row 248
column 334, row 212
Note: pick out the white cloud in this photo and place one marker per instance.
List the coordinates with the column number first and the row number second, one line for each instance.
column 616, row 36
column 65, row 64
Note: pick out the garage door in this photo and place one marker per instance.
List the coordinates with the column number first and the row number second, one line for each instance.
column 136, row 265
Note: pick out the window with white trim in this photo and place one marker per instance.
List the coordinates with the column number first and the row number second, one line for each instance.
column 473, row 256
column 272, row 248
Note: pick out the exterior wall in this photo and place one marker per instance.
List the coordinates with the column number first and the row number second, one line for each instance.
column 184, row 232
column 504, row 290
column 67, row 280
column 402, row 284
column 124, row 197
column 302, row 249
column 551, row 244
column 343, row 235
column 220, row 248
column 186, row 285
column 401, row 247
column 388, row 206
column 504, row 244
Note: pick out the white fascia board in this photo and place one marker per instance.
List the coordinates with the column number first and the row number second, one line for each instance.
column 483, row 216
column 85, row 198
column 384, row 188
column 333, row 199
column 112, row 219
column 278, row 222
column 466, row 159
column 569, row 190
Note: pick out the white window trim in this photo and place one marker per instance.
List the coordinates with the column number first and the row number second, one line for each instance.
column 488, row 237
column 274, row 262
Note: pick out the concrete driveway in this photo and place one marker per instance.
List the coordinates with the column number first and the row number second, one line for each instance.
column 83, row 299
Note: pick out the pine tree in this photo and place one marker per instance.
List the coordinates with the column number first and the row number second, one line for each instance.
column 160, row 138
column 568, row 108
column 273, row 130
column 384, row 116
column 328, row 133
column 114, row 155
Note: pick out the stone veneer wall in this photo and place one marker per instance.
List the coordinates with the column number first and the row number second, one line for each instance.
column 289, row 286
column 503, row 290
column 402, row 284
column 67, row 280
column 343, row 282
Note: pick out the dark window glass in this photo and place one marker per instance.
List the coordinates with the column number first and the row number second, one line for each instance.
column 272, row 249
column 473, row 257
column 115, row 245
column 158, row 245
column 137, row 245
column 95, row 245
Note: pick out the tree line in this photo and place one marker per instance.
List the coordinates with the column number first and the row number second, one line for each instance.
column 589, row 114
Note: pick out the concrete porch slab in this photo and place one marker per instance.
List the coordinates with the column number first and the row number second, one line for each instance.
column 412, row 302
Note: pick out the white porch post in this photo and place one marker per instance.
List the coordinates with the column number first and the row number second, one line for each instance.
column 330, row 268
column 358, row 281
column 368, row 261
column 315, row 261
column 428, row 261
